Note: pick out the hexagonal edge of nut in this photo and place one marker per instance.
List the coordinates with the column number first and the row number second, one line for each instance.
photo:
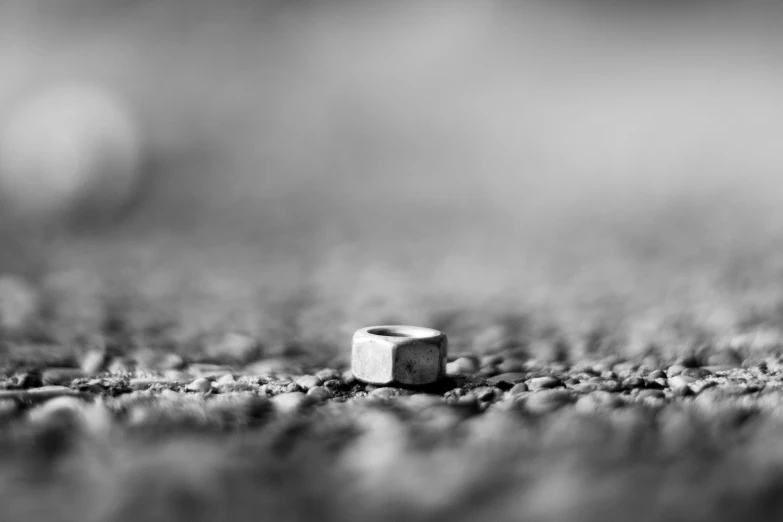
column 372, row 359
column 439, row 344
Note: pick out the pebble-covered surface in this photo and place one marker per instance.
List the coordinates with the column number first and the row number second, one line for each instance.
column 499, row 439
column 487, row 383
column 483, row 383
column 317, row 169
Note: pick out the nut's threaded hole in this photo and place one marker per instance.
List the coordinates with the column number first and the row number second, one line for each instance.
column 402, row 331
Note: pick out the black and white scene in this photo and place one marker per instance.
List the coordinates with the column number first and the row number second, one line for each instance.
column 434, row 260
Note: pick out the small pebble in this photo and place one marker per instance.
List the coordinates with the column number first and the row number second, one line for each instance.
column 277, row 387
column 348, row 378
column 388, row 392
column 518, row 388
column 682, row 391
column 680, row 381
column 633, row 382
column 675, row 369
column 333, row 385
column 469, row 400
column 582, row 376
column 319, row 393
column 585, row 387
column 696, row 373
column 513, row 377
column 541, row 383
column 202, row 385
column 656, row 374
column 484, row 393
column 309, row 381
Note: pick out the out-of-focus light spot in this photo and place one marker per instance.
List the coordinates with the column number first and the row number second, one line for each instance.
column 73, row 147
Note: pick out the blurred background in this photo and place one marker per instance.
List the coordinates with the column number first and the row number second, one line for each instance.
column 558, row 178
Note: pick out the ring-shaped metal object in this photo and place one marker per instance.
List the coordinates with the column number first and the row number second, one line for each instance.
column 410, row 355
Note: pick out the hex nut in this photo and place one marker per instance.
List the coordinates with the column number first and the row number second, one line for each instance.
column 411, row 355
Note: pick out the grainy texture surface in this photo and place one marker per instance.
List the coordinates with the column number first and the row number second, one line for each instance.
column 584, row 197
column 591, row 441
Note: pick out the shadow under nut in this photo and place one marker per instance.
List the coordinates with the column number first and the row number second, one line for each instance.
column 411, row 355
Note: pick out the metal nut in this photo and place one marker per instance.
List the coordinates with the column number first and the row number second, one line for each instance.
column 410, row 355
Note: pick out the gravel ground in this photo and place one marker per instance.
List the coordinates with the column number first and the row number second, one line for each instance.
column 156, row 437
column 585, row 199
column 149, row 380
